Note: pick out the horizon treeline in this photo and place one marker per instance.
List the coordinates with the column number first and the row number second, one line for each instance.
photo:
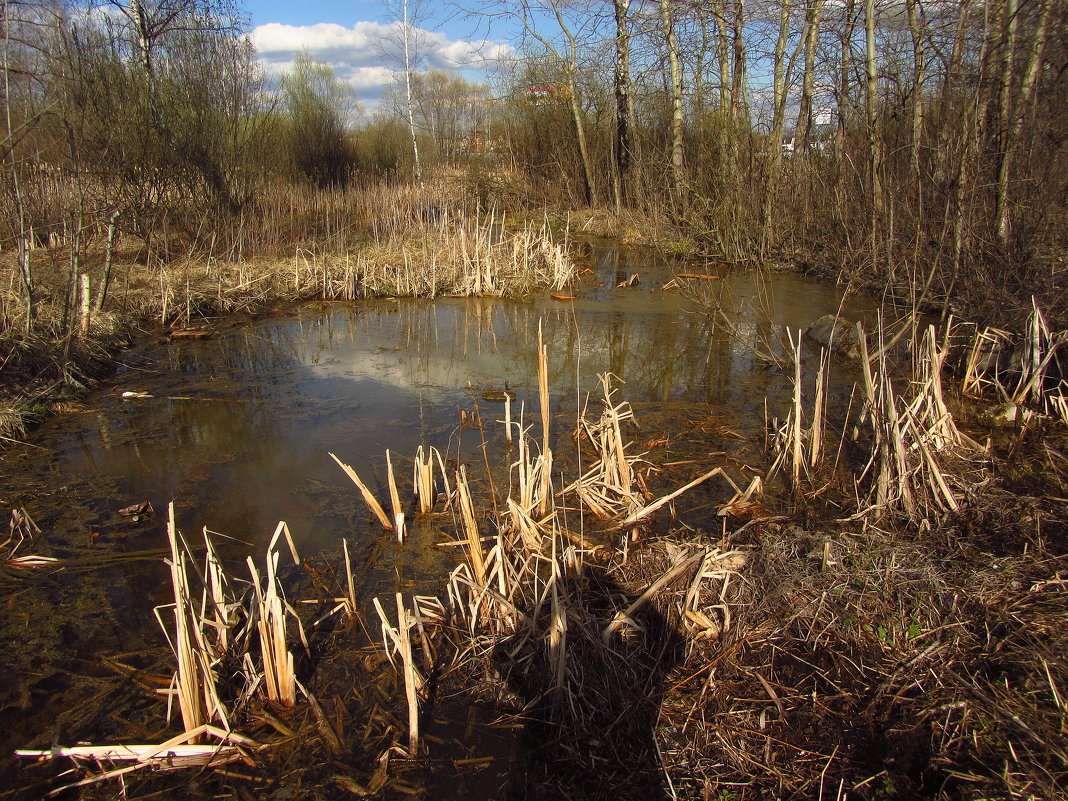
column 917, row 143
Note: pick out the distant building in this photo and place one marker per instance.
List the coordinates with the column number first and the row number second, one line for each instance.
column 544, row 92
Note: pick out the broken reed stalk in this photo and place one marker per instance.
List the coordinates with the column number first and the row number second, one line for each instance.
column 174, row 754
column 194, row 683
column 557, row 623
column 368, row 497
column 397, row 640
column 394, row 497
column 423, row 480
column 278, row 672
column 741, row 501
column 534, row 486
column 624, row 618
column 350, row 595
column 410, row 690
column 796, row 428
column 508, row 419
column 819, row 410
column 981, row 368
column 546, row 450
column 618, row 470
column 467, row 518
column 215, row 604
column 648, row 510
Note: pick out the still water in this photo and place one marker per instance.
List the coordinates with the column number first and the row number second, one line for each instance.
column 236, row 430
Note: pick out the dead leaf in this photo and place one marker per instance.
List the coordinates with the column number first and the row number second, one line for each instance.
column 706, row 626
column 136, row 509
column 378, row 778
column 352, row 786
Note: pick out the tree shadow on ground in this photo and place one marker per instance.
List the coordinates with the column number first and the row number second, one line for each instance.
column 590, row 715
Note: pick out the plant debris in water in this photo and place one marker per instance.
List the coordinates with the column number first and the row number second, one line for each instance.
column 877, row 613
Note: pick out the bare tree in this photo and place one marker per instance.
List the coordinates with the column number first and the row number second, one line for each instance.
column 667, row 27
column 413, row 44
column 535, row 20
column 810, row 35
column 624, row 104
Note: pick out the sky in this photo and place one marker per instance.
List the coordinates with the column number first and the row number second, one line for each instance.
column 359, row 40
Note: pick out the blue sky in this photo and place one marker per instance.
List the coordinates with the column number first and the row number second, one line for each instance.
column 359, row 40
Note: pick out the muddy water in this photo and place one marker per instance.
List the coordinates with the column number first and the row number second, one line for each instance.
column 236, row 431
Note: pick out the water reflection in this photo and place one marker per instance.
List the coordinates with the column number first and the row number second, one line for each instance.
column 238, row 427
column 236, row 432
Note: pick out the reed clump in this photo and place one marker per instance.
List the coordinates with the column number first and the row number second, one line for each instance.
column 915, row 438
column 857, row 650
column 1026, row 371
column 850, row 646
column 296, row 245
column 899, row 452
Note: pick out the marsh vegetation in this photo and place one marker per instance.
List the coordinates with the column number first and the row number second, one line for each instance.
column 778, row 515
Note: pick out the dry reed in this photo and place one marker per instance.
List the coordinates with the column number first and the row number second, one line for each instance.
column 195, row 682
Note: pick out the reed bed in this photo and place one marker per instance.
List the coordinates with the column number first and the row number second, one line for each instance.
column 751, row 652
column 1026, row 370
column 217, row 681
column 530, row 600
column 775, row 657
column 381, row 241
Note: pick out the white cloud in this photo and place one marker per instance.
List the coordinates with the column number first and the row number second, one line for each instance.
column 370, row 78
column 368, row 55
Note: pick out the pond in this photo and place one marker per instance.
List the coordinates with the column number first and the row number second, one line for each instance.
column 236, row 431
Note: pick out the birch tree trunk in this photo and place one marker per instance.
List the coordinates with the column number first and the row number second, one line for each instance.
column 1025, row 98
column 778, row 79
column 408, row 95
column 668, row 28
column 621, row 81
column 809, row 36
column 919, row 74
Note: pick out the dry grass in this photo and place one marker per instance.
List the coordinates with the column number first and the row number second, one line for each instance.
column 869, row 651
column 295, row 245
column 1026, row 369
column 848, row 659
column 866, row 665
